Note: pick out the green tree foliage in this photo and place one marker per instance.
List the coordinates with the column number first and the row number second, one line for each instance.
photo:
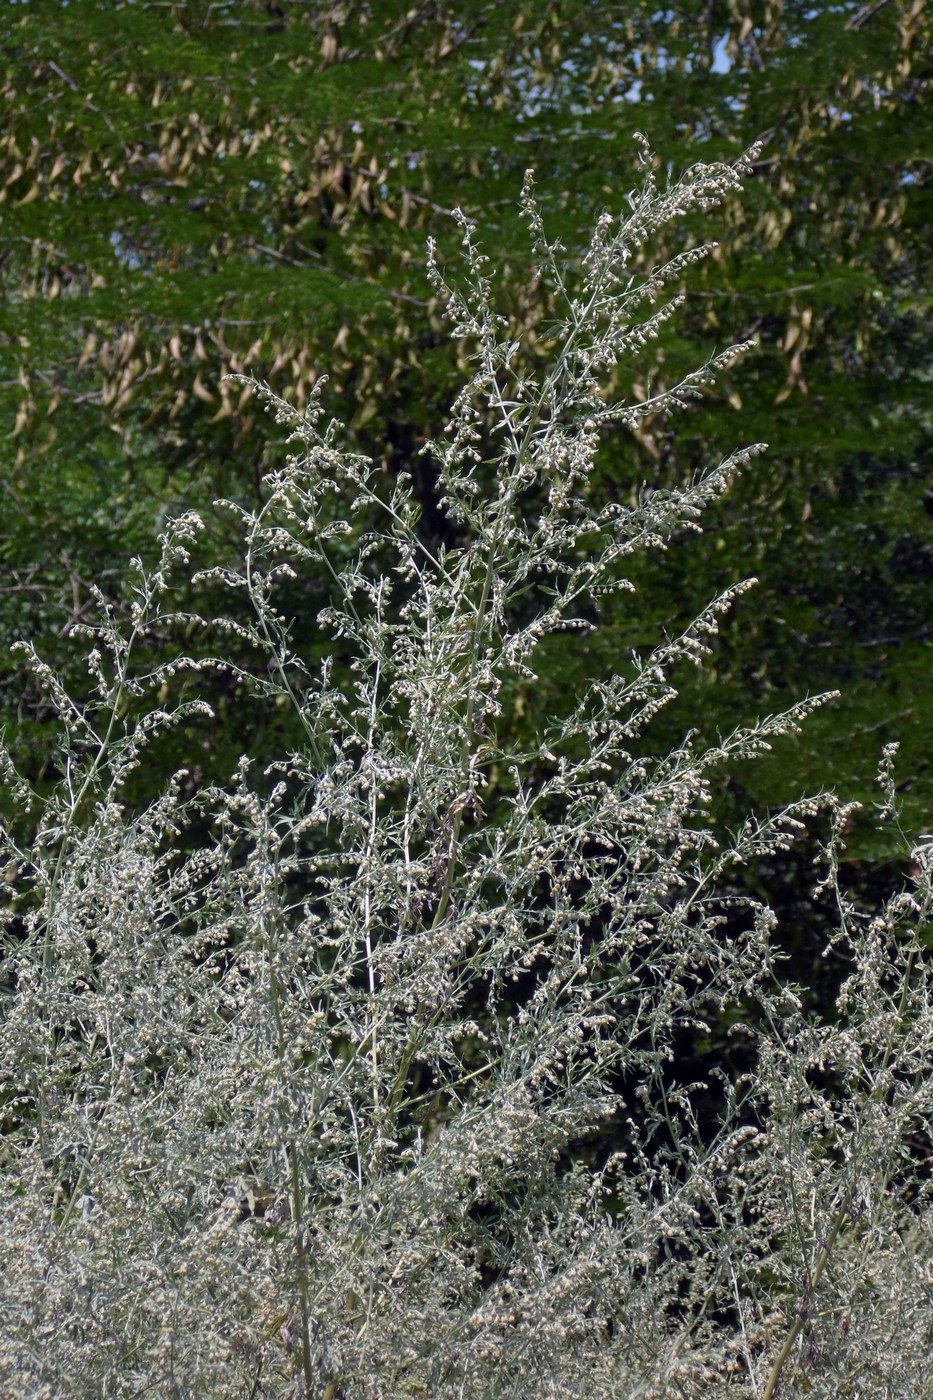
column 193, row 189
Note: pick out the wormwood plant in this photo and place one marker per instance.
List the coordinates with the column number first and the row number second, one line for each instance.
column 372, row 1090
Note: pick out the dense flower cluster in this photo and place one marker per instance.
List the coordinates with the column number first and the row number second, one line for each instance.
column 302, row 1077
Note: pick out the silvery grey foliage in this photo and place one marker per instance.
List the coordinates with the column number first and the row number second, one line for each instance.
column 307, row 1106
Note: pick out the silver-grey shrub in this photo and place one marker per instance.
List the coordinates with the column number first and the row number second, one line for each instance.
column 317, row 1104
